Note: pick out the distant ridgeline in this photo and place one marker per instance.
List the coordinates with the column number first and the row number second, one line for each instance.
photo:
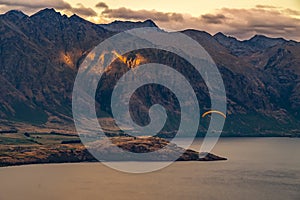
column 40, row 56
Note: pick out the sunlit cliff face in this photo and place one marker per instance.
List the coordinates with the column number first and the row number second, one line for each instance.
column 131, row 60
column 67, row 59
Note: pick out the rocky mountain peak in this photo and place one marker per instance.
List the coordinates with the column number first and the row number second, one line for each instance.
column 127, row 25
column 262, row 41
column 14, row 15
column 47, row 12
column 149, row 23
column 18, row 13
column 220, row 35
column 77, row 18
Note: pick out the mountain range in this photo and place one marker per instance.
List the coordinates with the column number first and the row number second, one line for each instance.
column 40, row 55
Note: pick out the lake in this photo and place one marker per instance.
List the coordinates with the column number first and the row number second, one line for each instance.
column 257, row 169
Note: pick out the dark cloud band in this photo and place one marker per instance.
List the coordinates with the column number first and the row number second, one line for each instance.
column 101, row 5
column 126, row 13
column 58, row 4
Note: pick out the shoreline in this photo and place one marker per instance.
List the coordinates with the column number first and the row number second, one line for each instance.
column 96, row 161
column 70, row 153
column 99, row 162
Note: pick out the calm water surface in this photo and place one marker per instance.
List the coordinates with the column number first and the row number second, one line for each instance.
column 257, row 169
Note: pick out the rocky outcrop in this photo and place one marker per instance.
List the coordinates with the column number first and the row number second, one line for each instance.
column 63, row 153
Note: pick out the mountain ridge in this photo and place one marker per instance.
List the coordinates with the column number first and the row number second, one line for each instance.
column 40, row 55
column 135, row 24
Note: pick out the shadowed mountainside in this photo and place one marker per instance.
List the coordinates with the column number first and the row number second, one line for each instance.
column 40, row 55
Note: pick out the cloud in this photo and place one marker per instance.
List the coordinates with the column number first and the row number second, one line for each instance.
column 30, row 4
column 265, row 6
column 244, row 23
column 101, row 5
column 213, row 19
column 81, row 10
column 128, row 14
column 241, row 23
column 292, row 12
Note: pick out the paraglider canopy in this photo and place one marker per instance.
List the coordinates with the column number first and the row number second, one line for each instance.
column 214, row 111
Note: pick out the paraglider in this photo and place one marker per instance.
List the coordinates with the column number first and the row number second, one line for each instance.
column 214, row 111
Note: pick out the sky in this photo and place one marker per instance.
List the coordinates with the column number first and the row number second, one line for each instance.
column 238, row 18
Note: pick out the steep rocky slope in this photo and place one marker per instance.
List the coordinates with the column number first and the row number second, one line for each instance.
column 40, row 55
